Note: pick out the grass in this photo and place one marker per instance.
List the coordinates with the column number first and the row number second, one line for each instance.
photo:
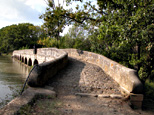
column 149, row 89
column 42, row 106
column 148, row 102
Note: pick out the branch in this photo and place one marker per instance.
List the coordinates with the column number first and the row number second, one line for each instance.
column 119, row 6
column 82, row 19
column 98, row 11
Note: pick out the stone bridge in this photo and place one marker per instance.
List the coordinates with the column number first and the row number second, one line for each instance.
column 48, row 61
column 29, row 57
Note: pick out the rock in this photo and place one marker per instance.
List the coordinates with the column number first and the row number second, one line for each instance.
column 116, row 96
column 104, row 95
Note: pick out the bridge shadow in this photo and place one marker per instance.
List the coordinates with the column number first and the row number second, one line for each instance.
column 69, row 76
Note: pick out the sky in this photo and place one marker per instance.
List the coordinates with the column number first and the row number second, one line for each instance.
column 21, row 11
column 24, row 11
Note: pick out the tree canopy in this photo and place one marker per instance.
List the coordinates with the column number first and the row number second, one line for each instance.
column 18, row 36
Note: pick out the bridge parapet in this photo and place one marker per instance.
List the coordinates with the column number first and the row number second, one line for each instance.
column 43, row 55
column 126, row 77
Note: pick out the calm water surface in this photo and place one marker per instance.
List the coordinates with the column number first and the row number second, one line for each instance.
column 12, row 77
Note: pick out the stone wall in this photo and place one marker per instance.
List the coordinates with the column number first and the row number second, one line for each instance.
column 43, row 54
column 41, row 73
column 126, row 77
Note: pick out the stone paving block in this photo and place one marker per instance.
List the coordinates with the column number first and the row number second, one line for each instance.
column 136, row 100
column 136, row 97
column 104, row 95
column 136, row 104
column 86, row 95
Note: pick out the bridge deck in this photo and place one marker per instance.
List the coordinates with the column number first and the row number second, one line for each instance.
column 82, row 77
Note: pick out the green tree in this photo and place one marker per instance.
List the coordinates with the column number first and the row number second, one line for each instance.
column 18, row 36
column 127, row 26
column 76, row 38
column 54, row 21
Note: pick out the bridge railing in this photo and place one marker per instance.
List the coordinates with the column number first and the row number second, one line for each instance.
column 126, row 77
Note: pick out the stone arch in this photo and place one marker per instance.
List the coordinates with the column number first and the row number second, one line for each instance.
column 29, row 62
column 25, row 60
column 22, row 59
column 35, row 62
column 15, row 56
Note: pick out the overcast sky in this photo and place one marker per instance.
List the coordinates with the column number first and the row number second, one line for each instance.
column 21, row 11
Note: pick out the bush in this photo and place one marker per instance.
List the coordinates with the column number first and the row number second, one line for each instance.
column 149, row 89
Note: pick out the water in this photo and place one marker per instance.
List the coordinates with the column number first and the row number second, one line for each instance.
column 12, row 78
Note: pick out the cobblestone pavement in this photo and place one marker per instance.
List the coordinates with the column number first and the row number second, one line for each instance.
column 83, row 77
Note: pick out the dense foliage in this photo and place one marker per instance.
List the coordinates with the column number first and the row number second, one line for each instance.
column 14, row 37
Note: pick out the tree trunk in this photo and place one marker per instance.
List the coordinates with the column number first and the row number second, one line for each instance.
column 139, row 55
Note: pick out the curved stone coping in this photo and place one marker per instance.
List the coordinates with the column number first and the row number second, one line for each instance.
column 126, row 77
column 26, row 98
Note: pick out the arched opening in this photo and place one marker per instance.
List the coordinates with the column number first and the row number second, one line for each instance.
column 29, row 62
column 35, row 62
column 25, row 60
column 18, row 57
column 22, row 59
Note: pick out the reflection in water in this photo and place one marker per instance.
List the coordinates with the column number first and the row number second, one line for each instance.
column 12, row 77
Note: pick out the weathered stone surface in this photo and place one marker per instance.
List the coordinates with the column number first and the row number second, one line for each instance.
column 49, row 88
column 136, row 97
column 94, row 80
column 136, row 100
column 116, row 96
column 28, row 95
column 86, row 94
column 136, row 104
